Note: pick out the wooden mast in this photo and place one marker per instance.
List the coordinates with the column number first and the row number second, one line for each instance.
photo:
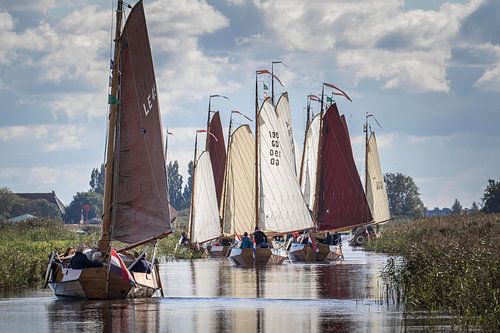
column 110, row 148
column 191, row 211
column 305, row 138
column 226, row 172
column 366, row 152
column 318, row 168
column 208, row 120
column 256, row 152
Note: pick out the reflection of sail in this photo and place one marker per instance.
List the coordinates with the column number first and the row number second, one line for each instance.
column 375, row 189
column 282, row 208
column 310, row 158
column 205, row 224
column 239, row 215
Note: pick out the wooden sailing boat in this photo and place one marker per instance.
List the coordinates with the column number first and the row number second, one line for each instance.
column 136, row 209
column 336, row 192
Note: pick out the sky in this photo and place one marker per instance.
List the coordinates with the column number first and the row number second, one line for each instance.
column 428, row 70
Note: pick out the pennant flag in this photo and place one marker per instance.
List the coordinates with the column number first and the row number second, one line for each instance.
column 118, row 266
column 205, row 131
column 314, row 98
column 342, row 93
column 314, row 246
column 241, row 114
column 170, row 133
column 329, row 99
column 219, row 96
column 277, row 79
column 263, row 71
column 113, row 100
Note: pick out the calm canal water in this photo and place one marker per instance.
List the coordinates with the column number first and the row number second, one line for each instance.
column 207, row 296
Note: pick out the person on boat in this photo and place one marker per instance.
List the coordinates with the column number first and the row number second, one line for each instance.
column 80, row 260
column 246, row 243
column 97, row 256
column 293, row 239
column 141, row 265
column 183, row 240
column 260, row 238
column 304, row 239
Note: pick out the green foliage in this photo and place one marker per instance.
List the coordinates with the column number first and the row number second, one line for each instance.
column 456, row 208
column 491, row 197
column 97, row 180
column 186, row 194
column 75, row 210
column 25, row 247
column 174, row 185
column 446, row 264
column 168, row 247
column 403, row 195
column 12, row 205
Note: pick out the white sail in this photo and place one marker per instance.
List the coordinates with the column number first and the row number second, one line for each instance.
column 310, row 167
column 239, row 196
column 282, row 206
column 285, row 123
column 205, row 224
column 375, row 187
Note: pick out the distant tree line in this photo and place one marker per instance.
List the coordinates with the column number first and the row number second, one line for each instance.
column 12, row 205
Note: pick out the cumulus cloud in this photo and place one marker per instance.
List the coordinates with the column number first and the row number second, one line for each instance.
column 375, row 40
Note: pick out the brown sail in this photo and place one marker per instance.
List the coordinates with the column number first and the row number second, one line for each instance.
column 140, row 204
column 342, row 202
column 217, row 154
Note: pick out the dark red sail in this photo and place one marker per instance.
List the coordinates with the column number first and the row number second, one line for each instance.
column 217, row 150
column 342, row 202
column 140, row 203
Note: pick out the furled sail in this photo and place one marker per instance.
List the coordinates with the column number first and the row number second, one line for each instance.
column 285, row 122
column 140, row 201
column 375, row 188
column 217, row 151
column 239, row 208
column 282, row 206
column 205, row 223
column 341, row 201
column 310, row 167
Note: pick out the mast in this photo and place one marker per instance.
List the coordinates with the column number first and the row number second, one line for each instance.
column 256, row 152
column 110, row 147
column 366, row 152
column 318, row 167
column 191, row 211
column 208, row 120
column 305, row 138
column 223, row 208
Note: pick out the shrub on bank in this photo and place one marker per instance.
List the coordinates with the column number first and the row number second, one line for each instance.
column 447, row 264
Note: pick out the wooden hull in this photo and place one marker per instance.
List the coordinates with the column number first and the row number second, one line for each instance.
column 91, row 283
column 305, row 253
column 245, row 257
column 335, row 253
column 217, row 251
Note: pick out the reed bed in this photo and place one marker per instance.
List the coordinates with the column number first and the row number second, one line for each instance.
column 445, row 265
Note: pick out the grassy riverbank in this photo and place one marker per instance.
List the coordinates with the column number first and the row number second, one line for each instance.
column 447, row 264
column 25, row 248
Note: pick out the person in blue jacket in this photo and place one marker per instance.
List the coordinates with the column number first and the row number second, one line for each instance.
column 246, row 243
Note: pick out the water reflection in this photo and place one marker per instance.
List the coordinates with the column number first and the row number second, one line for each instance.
column 207, row 296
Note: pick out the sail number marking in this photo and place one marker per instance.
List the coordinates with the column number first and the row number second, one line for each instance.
column 275, row 152
column 148, row 106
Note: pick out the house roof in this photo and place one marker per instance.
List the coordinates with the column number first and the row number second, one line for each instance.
column 50, row 197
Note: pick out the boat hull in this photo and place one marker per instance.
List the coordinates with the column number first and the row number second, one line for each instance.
column 94, row 283
column 217, row 251
column 305, row 253
column 245, row 257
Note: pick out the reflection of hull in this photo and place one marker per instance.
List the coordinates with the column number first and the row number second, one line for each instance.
column 305, row 253
column 95, row 283
column 219, row 251
column 245, row 257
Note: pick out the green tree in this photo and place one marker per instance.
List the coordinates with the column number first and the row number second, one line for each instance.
column 174, row 185
column 491, row 197
column 8, row 202
column 403, row 194
column 456, row 208
column 12, row 205
column 97, row 180
column 75, row 209
column 474, row 208
column 188, row 188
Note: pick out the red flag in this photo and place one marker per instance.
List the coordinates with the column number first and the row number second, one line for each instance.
column 118, row 266
column 342, row 93
column 263, row 71
column 314, row 98
column 205, row 131
column 313, row 244
column 238, row 112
